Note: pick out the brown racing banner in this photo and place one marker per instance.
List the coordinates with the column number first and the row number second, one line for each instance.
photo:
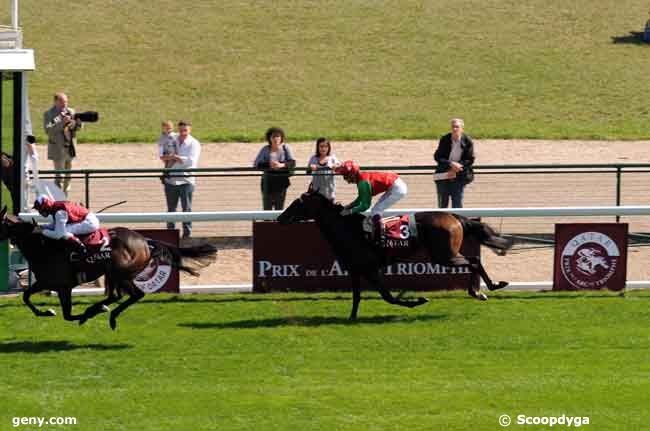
column 297, row 258
column 590, row 256
column 159, row 275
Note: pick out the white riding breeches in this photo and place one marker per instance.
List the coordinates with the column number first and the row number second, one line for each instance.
column 61, row 229
column 396, row 192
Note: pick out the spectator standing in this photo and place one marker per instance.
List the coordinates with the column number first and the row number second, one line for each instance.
column 180, row 185
column 60, row 127
column 276, row 159
column 455, row 158
column 167, row 143
column 321, row 166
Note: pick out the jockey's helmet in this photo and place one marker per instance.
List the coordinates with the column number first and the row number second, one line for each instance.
column 349, row 168
column 42, row 203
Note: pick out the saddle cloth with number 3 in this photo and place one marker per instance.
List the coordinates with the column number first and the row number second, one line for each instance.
column 399, row 231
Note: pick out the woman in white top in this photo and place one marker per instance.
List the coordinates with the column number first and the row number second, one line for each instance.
column 321, row 166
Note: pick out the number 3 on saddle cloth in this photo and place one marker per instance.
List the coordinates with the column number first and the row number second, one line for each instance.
column 398, row 233
column 98, row 252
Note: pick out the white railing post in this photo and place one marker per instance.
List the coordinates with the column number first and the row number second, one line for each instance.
column 14, row 14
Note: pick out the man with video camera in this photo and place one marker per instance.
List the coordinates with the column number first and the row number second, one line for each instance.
column 61, row 124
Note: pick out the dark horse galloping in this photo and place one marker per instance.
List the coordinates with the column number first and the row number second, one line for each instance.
column 440, row 233
column 130, row 253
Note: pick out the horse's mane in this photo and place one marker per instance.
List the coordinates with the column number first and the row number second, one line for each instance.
column 336, row 207
column 333, row 210
column 34, row 245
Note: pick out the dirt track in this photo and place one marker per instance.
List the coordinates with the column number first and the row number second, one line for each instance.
column 235, row 256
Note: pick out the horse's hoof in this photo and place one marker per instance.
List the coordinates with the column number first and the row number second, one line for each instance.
column 477, row 294
column 105, row 309
column 498, row 286
column 422, row 300
column 50, row 313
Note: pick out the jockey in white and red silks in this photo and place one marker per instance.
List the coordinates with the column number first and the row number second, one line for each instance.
column 69, row 221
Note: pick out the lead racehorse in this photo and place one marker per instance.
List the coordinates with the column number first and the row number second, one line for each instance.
column 439, row 233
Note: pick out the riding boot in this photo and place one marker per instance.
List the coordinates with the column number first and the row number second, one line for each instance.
column 378, row 229
column 79, row 247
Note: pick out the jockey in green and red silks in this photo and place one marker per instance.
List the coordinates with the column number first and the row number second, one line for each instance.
column 69, row 220
column 370, row 184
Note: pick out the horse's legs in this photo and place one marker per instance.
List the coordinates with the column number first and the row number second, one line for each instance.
column 356, row 296
column 65, row 298
column 478, row 267
column 134, row 296
column 375, row 279
column 473, row 278
column 101, row 306
column 98, row 307
column 34, row 288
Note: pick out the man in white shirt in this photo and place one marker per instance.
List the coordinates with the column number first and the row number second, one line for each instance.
column 180, row 186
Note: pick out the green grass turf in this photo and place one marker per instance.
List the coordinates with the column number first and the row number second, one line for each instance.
column 345, row 69
column 294, row 362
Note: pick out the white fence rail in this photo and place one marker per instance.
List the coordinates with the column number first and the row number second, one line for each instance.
column 272, row 215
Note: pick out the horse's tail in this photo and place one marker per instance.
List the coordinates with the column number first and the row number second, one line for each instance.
column 199, row 256
column 485, row 234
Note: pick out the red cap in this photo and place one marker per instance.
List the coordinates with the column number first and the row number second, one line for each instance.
column 348, row 168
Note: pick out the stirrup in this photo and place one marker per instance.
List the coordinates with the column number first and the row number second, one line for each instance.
column 367, row 225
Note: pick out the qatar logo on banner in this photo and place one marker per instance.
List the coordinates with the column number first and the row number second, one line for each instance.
column 156, row 273
column 589, row 260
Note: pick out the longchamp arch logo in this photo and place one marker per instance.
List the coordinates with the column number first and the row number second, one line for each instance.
column 590, row 256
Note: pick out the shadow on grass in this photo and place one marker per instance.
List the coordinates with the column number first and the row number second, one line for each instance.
column 280, row 297
column 311, row 321
column 203, row 298
column 54, row 346
column 252, row 297
column 634, row 37
column 555, row 296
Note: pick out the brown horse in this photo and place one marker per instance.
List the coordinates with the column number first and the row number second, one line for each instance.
column 439, row 233
column 128, row 256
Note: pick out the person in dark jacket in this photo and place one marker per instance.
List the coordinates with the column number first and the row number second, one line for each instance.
column 276, row 159
column 455, row 157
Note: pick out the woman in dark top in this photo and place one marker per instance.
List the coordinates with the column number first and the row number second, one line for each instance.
column 455, row 157
column 277, row 161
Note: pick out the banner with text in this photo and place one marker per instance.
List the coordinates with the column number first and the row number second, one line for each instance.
column 297, row 258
